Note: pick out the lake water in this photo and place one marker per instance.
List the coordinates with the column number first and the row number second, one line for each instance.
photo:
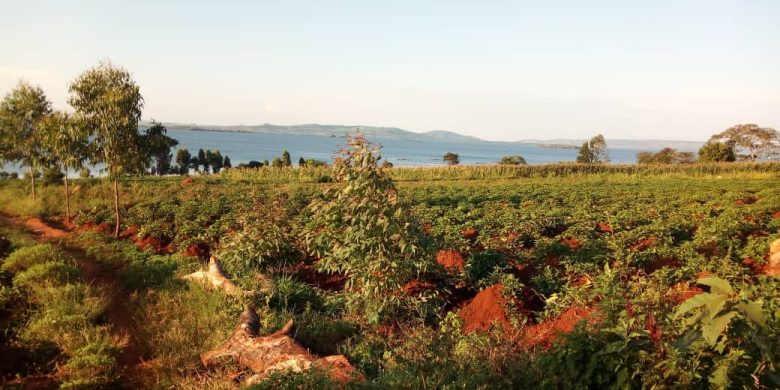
column 243, row 147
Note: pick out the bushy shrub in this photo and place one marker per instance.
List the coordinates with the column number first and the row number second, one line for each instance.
column 28, row 256
column 45, row 273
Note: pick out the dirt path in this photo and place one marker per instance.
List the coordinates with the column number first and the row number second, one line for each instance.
column 118, row 312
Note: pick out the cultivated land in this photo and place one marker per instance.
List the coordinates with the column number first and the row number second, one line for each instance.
column 558, row 276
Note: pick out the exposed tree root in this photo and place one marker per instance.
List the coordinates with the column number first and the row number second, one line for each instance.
column 276, row 352
column 216, row 277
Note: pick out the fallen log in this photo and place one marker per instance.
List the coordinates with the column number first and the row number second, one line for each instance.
column 276, row 352
column 215, row 276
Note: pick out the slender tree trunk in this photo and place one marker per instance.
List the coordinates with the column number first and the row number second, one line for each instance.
column 32, row 180
column 67, row 198
column 116, row 207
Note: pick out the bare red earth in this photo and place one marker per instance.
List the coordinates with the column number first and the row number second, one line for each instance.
column 661, row 262
column 470, row 233
column 415, row 287
column 451, row 260
column 487, row 308
column 604, row 228
column 681, row 292
column 643, row 244
column 572, row 243
column 545, row 333
column 776, row 214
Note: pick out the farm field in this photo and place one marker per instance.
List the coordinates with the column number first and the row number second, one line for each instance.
column 580, row 276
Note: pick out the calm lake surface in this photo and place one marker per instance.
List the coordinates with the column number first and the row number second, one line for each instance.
column 243, row 147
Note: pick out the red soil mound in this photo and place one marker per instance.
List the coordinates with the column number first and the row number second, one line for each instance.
column 776, row 214
column 153, row 243
column 485, row 309
column 680, row 292
column 604, row 228
column 643, row 244
column 746, row 200
column 451, row 260
column 415, row 287
column 328, row 282
column 572, row 243
column 186, row 182
column 545, row 333
column 470, row 233
column 129, row 233
column 197, row 250
column 99, row 228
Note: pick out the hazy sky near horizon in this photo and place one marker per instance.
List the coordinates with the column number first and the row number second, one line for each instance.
column 498, row 70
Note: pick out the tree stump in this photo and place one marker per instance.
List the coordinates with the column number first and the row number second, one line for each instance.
column 276, row 352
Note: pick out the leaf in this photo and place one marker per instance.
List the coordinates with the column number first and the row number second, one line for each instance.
column 713, row 329
column 717, row 284
column 696, row 301
column 752, row 310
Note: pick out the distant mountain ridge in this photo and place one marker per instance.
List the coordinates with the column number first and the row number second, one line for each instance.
column 333, row 131
column 394, row 133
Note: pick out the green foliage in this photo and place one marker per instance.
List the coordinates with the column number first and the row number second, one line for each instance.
column 754, row 141
column 28, row 256
column 451, row 158
column 593, row 151
column 717, row 152
column 360, row 229
column 45, row 273
column 512, row 160
column 155, row 147
column 665, row 156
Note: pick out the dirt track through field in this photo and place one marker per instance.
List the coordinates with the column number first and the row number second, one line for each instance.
column 118, row 313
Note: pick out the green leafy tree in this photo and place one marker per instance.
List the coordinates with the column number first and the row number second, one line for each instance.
column 717, row 152
column 183, row 160
column 265, row 163
column 753, row 141
column 512, row 160
column 277, row 162
column 451, row 158
column 226, row 163
column 67, row 143
column 21, row 113
column 216, row 161
column 593, row 151
column 665, row 156
column 286, row 159
column 301, row 162
column 156, row 148
column 360, row 229
column 203, row 161
column 109, row 102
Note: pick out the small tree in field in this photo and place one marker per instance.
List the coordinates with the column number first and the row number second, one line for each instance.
column 156, row 148
column 360, row 229
column 109, row 102
column 717, row 152
column 754, row 141
column 451, row 158
column 593, row 151
column 21, row 112
column 67, row 143
column 183, row 160
column 512, row 160
column 286, row 159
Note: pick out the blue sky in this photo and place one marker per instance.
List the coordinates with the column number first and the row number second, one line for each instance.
column 499, row 70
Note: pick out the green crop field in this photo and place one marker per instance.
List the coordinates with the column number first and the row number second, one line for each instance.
column 567, row 277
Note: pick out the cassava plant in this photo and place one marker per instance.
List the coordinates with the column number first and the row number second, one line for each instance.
column 359, row 228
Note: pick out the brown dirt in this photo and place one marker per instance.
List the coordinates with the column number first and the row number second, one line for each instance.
column 661, row 262
column 643, row 244
column 117, row 311
column 451, row 260
column 487, row 308
column 680, row 292
column 572, row 243
column 99, row 228
column 545, row 333
column 470, row 233
column 776, row 214
column 327, row 282
column 604, row 228
column 415, row 287
column 746, row 200
column 201, row 251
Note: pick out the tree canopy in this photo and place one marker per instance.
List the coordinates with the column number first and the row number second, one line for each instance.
column 593, row 151
column 451, row 158
column 665, row 156
column 750, row 141
column 512, row 160
column 717, row 152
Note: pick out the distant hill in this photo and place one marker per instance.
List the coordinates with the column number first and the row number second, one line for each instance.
column 394, row 133
column 633, row 144
column 333, row 131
